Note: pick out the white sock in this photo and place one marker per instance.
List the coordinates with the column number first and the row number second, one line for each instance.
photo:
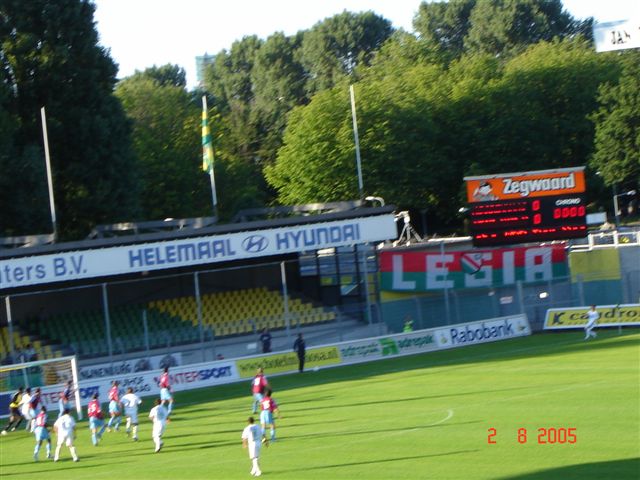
column 73, row 453
column 256, row 467
column 57, row 454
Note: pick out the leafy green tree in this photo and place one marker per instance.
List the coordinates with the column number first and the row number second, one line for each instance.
column 617, row 126
column 51, row 58
column 334, row 47
column 166, row 139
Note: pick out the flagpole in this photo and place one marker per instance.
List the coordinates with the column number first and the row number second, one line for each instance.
column 357, row 141
column 205, row 153
column 47, row 158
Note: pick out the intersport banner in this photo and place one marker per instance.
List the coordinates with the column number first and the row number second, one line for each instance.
column 576, row 317
column 428, row 270
column 465, row 334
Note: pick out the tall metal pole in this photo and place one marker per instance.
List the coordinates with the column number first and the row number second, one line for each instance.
column 447, row 307
column 285, row 294
column 365, row 271
column 196, row 282
column 52, row 204
column 7, row 303
column 107, row 321
column 357, row 140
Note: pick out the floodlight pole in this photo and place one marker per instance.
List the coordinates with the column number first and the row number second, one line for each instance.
column 357, row 141
column 47, row 157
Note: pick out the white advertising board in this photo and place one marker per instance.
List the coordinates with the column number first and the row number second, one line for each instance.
column 128, row 367
column 42, row 269
column 618, row 35
column 464, row 334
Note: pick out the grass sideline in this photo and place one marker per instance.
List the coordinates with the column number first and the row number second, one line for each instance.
column 423, row 416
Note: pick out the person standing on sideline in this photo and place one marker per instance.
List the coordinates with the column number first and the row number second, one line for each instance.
column 258, row 386
column 131, row 402
column 65, row 398
column 592, row 320
column 41, row 433
column 114, row 407
column 269, row 408
column 251, row 440
column 15, row 415
column 158, row 415
column 65, row 427
column 265, row 339
column 300, row 349
column 96, row 420
column 408, row 324
column 165, row 390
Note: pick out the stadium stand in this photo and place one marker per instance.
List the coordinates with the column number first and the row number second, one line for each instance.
column 42, row 349
column 171, row 322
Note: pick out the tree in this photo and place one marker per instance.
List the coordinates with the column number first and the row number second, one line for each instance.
column 51, row 58
column 617, row 126
column 166, row 139
column 334, row 47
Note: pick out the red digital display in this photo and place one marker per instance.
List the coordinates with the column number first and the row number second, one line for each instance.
column 528, row 220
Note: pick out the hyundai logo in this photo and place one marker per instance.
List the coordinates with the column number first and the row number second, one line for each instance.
column 255, row 243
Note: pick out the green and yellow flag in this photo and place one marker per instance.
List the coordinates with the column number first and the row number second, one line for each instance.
column 207, row 143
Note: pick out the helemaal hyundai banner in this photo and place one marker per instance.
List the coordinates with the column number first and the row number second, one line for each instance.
column 484, row 331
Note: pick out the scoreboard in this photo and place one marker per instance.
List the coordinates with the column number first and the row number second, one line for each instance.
column 527, row 207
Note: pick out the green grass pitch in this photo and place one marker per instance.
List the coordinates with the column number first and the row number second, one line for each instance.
column 420, row 417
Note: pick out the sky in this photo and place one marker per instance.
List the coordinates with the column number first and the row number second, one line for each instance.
column 143, row 33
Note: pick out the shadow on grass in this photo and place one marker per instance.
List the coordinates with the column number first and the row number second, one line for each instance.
column 626, row 469
column 46, row 469
column 373, row 462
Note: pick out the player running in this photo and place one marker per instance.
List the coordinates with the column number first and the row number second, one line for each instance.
column 592, row 320
column 65, row 427
column 34, row 403
column 130, row 401
column 42, row 433
column 165, row 390
column 158, row 415
column 65, row 398
column 96, row 420
column 114, row 407
column 15, row 415
column 251, row 436
column 269, row 407
column 258, row 386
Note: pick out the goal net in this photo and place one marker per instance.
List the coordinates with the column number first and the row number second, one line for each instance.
column 50, row 375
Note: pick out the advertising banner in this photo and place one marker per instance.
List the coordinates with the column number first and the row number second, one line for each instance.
column 42, row 269
column 514, row 186
column 387, row 346
column 428, row 270
column 126, row 367
column 481, row 332
column 618, row 35
column 287, row 362
column 576, row 317
column 146, row 383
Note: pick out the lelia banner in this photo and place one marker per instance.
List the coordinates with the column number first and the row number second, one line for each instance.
column 428, row 270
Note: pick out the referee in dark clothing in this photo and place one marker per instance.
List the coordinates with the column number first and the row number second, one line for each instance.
column 299, row 347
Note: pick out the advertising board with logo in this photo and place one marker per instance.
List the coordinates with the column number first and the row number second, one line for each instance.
column 287, row 362
column 576, row 317
column 492, row 330
column 42, row 269
column 387, row 346
column 127, row 367
column 427, row 270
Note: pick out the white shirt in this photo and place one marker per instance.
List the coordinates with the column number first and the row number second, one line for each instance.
column 131, row 402
column 159, row 414
column 593, row 315
column 65, row 425
column 252, row 433
column 24, row 403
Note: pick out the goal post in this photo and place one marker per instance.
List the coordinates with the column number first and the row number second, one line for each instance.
column 51, row 375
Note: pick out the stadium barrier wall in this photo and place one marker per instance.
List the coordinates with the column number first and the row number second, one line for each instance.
column 131, row 366
column 209, row 374
column 625, row 315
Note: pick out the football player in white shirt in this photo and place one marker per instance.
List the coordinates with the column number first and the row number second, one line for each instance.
column 65, row 427
column 592, row 319
column 131, row 402
column 25, row 407
column 251, row 440
column 159, row 416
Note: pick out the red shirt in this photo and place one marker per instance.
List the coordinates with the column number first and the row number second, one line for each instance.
column 259, row 383
column 41, row 419
column 113, row 393
column 164, row 380
column 269, row 404
column 93, row 409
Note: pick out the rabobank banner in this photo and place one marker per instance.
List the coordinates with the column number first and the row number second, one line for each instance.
column 465, row 334
column 101, row 262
